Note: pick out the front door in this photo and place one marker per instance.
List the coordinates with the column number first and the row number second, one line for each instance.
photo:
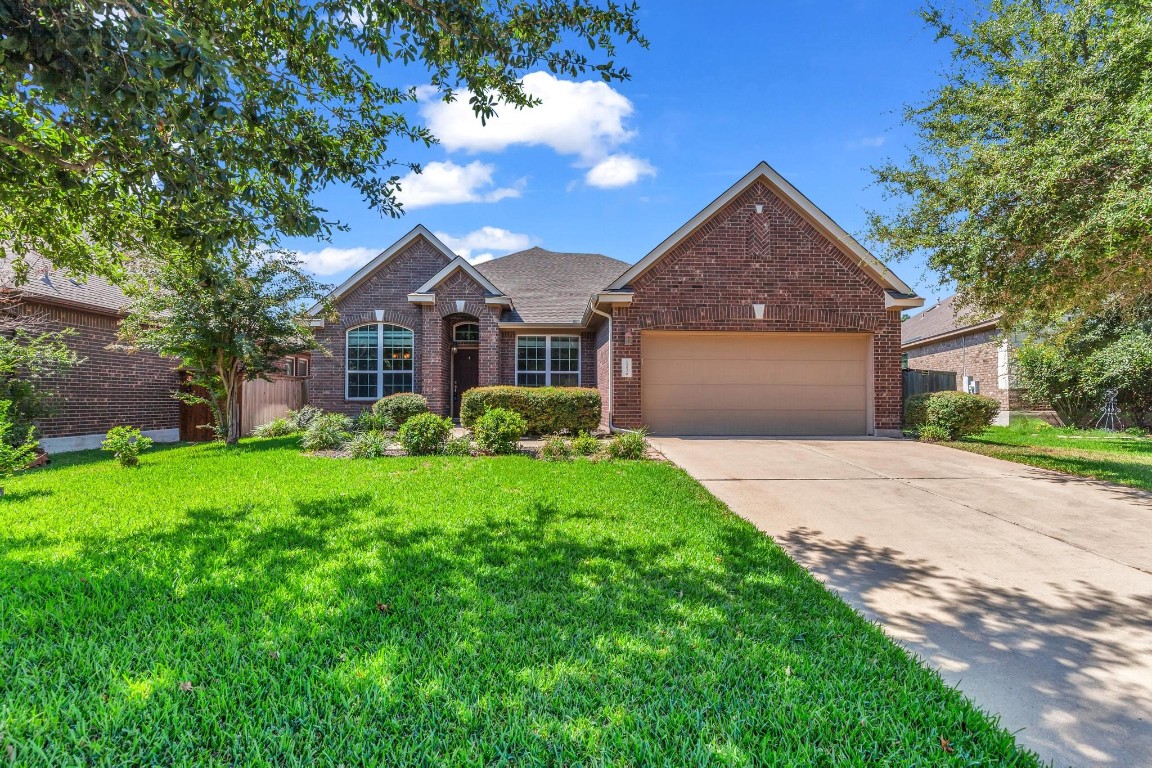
column 465, row 375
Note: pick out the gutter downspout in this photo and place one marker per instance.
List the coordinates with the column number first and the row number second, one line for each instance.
column 611, row 367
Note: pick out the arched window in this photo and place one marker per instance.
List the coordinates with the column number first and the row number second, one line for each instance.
column 466, row 333
column 379, row 361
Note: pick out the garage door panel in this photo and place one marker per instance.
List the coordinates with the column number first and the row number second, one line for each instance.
column 722, row 383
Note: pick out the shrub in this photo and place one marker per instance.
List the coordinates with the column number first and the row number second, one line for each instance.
column 957, row 414
column 556, row 448
column 327, row 432
column 585, row 445
column 499, row 430
column 126, row 444
column 458, row 446
column 630, row 446
column 933, row 433
column 17, row 444
column 397, row 409
column 368, row 445
column 275, row 428
column 303, row 418
column 425, row 434
column 370, row 421
column 546, row 410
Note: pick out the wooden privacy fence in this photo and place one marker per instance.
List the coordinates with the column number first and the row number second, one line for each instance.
column 260, row 402
column 919, row 382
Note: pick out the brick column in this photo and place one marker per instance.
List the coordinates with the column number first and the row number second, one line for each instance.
column 433, row 360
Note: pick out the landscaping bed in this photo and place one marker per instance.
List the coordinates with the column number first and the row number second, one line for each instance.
column 252, row 605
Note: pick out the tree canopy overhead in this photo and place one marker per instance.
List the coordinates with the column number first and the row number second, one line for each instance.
column 1031, row 182
column 143, row 124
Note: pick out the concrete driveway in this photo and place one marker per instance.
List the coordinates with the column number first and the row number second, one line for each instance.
column 1030, row 590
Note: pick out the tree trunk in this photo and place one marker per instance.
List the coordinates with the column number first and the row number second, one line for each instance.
column 229, row 426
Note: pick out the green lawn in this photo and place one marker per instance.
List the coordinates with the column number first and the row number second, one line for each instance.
column 1117, row 458
column 256, row 606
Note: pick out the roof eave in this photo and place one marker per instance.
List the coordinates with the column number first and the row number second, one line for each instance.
column 954, row 333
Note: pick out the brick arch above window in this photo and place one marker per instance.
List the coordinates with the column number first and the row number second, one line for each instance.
column 473, row 308
column 409, row 320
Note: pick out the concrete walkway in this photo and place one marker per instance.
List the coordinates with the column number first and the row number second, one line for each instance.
column 1029, row 589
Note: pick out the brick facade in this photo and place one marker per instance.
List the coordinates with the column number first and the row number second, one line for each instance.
column 109, row 388
column 740, row 257
column 977, row 355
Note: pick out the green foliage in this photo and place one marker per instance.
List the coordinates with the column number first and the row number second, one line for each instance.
column 1125, row 365
column 327, row 432
column 949, row 415
column 458, row 446
column 303, row 418
column 630, row 446
column 556, row 448
column 18, row 446
column 370, row 421
column 547, row 410
column 228, row 319
column 368, row 445
column 499, row 430
column 227, row 119
column 398, row 408
column 275, row 428
column 585, row 445
column 126, row 444
column 933, row 433
column 1027, row 188
column 31, row 358
column 1055, row 372
column 425, row 434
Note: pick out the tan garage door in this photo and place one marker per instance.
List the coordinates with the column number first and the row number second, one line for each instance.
column 718, row 383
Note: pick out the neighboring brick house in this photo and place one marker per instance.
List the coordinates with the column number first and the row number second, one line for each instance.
column 945, row 337
column 109, row 388
column 758, row 316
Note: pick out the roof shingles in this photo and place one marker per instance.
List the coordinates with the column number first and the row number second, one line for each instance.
column 549, row 287
column 50, row 284
column 946, row 317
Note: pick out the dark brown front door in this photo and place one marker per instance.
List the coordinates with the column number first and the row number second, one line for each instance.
column 465, row 375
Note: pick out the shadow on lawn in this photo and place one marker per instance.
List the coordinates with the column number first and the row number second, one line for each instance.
column 1133, row 479
column 979, row 630
column 539, row 635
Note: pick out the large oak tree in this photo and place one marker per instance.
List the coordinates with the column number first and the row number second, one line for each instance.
column 149, row 125
column 1031, row 182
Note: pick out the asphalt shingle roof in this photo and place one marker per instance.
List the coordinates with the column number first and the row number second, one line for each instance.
column 550, row 287
column 945, row 317
column 51, row 284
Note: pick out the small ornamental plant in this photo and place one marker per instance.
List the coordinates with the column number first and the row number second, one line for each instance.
column 368, row 445
column 585, row 445
column 17, row 451
column 395, row 410
column 425, row 434
column 275, row 428
column 556, row 448
column 499, row 431
column 629, row 446
column 126, row 444
column 327, row 432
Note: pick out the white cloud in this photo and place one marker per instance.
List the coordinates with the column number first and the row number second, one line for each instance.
column 868, row 141
column 618, row 171
column 586, row 120
column 486, row 240
column 329, row 261
column 443, row 183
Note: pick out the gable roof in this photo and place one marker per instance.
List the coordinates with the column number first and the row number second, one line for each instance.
column 51, row 285
column 550, row 287
column 899, row 293
column 383, row 258
column 458, row 264
column 946, row 318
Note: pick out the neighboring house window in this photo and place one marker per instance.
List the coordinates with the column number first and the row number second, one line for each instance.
column 548, row 361
column 379, row 361
column 466, row 333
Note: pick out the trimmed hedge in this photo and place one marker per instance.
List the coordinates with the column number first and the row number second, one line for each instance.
column 950, row 414
column 547, row 410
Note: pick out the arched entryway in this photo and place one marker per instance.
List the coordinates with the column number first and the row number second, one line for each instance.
column 464, row 360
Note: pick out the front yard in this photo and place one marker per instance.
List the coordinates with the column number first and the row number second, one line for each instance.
column 258, row 606
column 1117, row 458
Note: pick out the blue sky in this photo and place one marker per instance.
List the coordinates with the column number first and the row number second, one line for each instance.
column 815, row 89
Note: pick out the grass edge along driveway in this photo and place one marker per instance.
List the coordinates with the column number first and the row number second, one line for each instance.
column 257, row 606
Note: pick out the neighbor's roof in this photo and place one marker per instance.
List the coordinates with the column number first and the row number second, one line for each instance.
column 550, row 287
column 946, row 318
column 49, row 284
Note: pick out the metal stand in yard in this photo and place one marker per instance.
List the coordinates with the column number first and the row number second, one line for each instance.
column 1110, row 417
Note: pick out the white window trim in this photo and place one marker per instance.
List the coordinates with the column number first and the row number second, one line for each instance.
column 379, row 362
column 548, row 356
column 466, row 322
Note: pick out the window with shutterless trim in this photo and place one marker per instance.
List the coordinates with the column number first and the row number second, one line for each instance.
column 379, row 361
column 466, row 333
column 548, row 361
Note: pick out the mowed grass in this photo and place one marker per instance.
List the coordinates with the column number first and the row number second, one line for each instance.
column 1117, row 458
column 256, row 606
